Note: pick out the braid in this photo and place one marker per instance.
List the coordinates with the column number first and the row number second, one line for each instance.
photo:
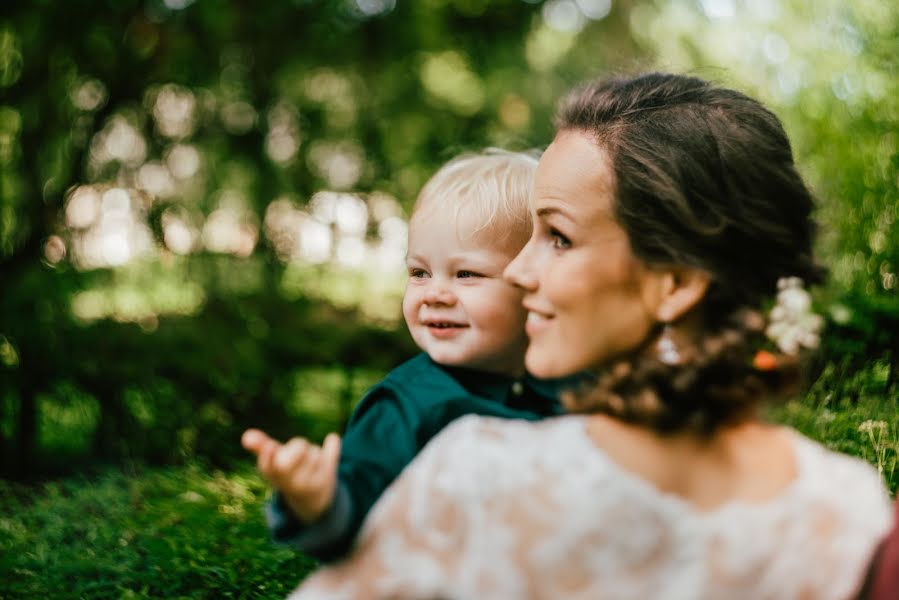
column 713, row 384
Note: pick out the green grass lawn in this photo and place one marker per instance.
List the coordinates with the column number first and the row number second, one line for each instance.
column 193, row 532
column 162, row 533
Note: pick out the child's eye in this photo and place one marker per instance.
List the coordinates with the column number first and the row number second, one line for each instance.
column 467, row 274
column 418, row 273
column 559, row 241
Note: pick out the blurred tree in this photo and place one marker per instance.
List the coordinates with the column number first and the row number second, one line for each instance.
column 168, row 167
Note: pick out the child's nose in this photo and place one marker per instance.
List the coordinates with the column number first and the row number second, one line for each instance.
column 439, row 294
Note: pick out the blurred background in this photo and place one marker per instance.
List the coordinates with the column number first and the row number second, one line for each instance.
column 203, row 202
column 203, row 213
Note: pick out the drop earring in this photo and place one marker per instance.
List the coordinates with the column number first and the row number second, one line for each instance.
column 666, row 348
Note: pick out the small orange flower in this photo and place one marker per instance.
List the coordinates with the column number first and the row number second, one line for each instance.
column 764, row 361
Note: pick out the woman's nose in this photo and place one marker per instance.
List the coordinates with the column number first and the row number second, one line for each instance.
column 520, row 272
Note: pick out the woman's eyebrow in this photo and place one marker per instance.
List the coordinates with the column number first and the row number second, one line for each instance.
column 546, row 212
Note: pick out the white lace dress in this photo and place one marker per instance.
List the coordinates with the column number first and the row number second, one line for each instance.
column 507, row 509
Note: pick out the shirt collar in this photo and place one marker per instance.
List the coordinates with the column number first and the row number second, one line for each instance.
column 499, row 388
column 492, row 386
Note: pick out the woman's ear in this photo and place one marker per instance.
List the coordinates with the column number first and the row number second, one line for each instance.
column 682, row 289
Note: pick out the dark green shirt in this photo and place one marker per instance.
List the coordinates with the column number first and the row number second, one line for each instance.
column 390, row 426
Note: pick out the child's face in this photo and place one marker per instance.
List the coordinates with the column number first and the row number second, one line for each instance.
column 457, row 306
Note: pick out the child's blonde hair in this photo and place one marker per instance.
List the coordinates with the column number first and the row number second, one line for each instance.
column 492, row 187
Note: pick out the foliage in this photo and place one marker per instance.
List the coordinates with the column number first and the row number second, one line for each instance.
column 190, row 385
column 868, row 429
column 172, row 172
column 856, row 415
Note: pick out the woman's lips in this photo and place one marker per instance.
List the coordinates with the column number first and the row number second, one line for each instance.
column 536, row 322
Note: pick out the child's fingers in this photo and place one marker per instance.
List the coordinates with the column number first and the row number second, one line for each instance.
column 291, row 456
column 330, row 453
column 253, row 440
column 267, row 452
column 322, row 464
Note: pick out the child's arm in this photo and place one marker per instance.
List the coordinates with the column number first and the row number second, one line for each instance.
column 305, row 474
column 384, row 435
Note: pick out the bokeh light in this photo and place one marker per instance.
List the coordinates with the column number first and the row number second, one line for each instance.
column 178, row 233
column 156, row 179
column 174, row 111
column 89, row 94
column 238, row 117
column 82, row 207
column 118, row 141
column 54, row 249
column 11, row 60
column 564, row 15
column 282, row 141
column 183, row 161
column 8, row 354
column 338, row 163
column 231, row 231
column 315, row 241
column 370, row 8
column 448, row 77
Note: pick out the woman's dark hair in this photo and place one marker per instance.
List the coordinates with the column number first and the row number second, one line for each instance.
column 704, row 177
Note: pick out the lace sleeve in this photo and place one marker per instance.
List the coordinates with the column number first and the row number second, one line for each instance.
column 413, row 537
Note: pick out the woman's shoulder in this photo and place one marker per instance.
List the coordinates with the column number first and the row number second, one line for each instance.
column 833, row 516
column 840, row 493
column 822, row 469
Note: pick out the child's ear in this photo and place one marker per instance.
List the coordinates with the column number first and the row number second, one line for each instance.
column 682, row 288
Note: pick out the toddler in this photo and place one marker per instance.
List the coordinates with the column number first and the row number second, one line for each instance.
column 470, row 220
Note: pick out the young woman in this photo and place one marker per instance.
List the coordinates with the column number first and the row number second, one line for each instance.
column 668, row 214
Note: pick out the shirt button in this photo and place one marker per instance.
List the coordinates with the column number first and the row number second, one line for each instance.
column 517, row 388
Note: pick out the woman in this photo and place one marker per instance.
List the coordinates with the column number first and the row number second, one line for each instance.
column 667, row 210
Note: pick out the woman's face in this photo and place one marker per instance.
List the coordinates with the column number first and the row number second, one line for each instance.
column 588, row 298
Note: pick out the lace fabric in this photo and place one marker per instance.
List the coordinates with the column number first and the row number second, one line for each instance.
column 501, row 509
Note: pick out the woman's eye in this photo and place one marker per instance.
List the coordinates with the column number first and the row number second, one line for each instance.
column 559, row 241
column 467, row 274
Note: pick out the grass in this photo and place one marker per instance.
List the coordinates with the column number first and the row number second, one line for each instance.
column 195, row 532
column 868, row 428
column 164, row 533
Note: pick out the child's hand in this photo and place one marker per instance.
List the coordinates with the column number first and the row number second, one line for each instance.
column 305, row 474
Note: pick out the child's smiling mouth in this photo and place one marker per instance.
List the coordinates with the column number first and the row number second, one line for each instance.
column 444, row 329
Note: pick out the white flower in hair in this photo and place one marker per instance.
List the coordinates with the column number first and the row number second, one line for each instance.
column 792, row 324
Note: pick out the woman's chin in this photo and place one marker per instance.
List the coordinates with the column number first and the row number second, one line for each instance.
column 543, row 366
